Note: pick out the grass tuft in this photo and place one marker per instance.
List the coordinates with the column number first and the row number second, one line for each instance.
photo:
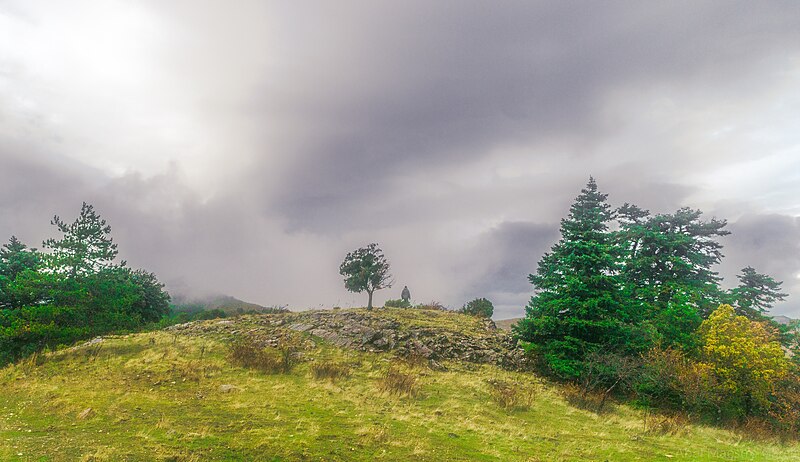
column 330, row 370
column 399, row 379
column 511, row 395
column 271, row 360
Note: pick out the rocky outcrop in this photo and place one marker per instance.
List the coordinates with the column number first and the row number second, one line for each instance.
column 434, row 335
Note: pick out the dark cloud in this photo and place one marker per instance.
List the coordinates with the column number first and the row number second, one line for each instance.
column 449, row 83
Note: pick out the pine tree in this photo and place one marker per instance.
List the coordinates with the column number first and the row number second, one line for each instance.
column 86, row 247
column 666, row 269
column 756, row 293
column 577, row 308
column 15, row 258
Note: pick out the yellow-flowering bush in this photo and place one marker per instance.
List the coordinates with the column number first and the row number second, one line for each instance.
column 744, row 355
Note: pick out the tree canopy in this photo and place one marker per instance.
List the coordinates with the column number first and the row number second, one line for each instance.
column 366, row 270
column 756, row 293
column 627, row 297
column 85, row 247
column 72, row 291
column 480, row 307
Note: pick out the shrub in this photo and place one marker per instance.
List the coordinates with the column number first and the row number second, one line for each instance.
column 399, row 380
column 671, row 380
column 606, row 373
column 480, row 307
column 433, row 305
column 399, row 303
column 784, row 412
column 744, row 355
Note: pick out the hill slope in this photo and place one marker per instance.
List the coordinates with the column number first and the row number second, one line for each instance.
column 178, row 395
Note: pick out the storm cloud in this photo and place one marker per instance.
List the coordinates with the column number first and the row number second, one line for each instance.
column 245, row 149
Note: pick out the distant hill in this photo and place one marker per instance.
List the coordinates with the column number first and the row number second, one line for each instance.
column 226, row 303
column 782, row 319
column 506, row 324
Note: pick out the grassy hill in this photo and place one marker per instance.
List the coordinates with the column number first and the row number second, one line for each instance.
column 180, row 395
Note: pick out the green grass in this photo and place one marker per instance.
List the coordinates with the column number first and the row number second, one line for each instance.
column 156, row 396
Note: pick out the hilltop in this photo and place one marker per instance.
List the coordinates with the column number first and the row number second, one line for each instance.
column 387, row 384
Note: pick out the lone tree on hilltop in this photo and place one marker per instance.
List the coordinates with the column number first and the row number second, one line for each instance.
column 366, row 269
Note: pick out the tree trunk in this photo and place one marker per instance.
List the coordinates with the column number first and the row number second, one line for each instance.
column 369, row 303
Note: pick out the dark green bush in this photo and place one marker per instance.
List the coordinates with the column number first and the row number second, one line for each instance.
column 399, row 303
column 480, row 307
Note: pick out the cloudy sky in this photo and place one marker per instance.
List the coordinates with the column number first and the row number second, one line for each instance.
column 244, row 147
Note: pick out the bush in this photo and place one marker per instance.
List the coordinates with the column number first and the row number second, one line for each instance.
column 26, row 330
column 434, row 305
column 480, row 307
column 669, row 379
column 399, row 303
column 744, row 355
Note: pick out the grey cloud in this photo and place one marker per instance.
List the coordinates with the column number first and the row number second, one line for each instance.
column 448, row 83
column 249, row 148
column 771, row 244
column 499, row 265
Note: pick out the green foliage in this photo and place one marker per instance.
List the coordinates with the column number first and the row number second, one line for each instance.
column 86, row 246
column 15, row 258
column 432, row 305
column 398, row 303
column 366, row 270
column 577, row 307
column 756, row 293
column 158, row 396
column 74, row 292
column 635, row 311
column 480, row 307
column 665, row 269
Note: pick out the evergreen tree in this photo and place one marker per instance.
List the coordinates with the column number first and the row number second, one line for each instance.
column 667, row 274
column 85, row 248
column 577, row 308
column 756, row 293
column 15, row 258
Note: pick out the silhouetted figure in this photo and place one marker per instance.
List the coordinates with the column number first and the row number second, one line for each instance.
column 406, row 294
